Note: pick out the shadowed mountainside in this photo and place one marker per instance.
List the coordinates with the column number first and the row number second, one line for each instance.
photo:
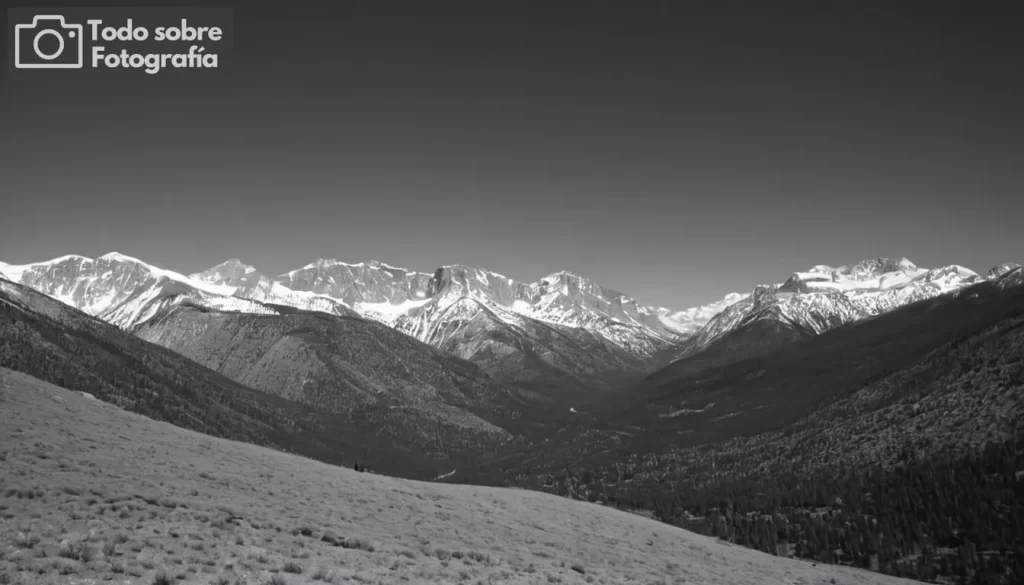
column 342, row 365
column 48, row 339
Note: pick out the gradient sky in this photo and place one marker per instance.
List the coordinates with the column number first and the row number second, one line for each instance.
column 674, row 154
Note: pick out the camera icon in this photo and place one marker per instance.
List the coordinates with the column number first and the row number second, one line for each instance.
column 48, row 43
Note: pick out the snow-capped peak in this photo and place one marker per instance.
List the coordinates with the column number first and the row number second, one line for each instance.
column 875, row 267
column 119, row 257
column 996, row 272
column 823, row 297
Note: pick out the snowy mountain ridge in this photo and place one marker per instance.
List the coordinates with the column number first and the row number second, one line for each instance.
column 823, row 297
column 506, row 321
column 564, row 320
column 396, row 295
column 97, row 286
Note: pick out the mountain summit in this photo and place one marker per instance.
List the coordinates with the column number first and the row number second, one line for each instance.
column 229, row 273
column 823, row 298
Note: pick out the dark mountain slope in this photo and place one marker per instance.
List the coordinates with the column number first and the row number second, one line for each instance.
column 525, row 352
column 745, row 342
column 767, row 392
column 57, row 343
column 342, row 365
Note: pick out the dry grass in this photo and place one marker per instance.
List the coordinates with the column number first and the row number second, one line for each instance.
column 92, row 494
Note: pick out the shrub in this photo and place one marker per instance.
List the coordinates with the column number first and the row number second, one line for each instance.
column 66, row 569
column 291, row 567
column 358, row 543
column 26, row 541
column 76, row 550
column 161, row 578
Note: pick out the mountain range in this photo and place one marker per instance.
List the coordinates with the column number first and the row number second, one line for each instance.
column 563, row 331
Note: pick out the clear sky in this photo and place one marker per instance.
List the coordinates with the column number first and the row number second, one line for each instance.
column 675, row 155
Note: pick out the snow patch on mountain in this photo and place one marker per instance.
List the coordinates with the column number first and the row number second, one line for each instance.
column 15, row 272
column 387, row 312
column 823, row 298
column 691, row 320
column 227, row 274
column 96, row 286
column 264, row 290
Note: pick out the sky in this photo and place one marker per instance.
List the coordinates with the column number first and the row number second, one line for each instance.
column 675, row 154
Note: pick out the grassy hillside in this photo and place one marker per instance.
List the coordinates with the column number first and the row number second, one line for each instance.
column 91, row 493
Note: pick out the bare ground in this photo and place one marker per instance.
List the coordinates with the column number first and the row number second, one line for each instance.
column 93, row 494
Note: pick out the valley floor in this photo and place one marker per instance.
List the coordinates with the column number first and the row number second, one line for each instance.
column 93, row 494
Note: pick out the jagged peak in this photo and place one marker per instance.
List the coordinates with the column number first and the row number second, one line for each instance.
column 953, row 268
column 119, row 257
column 877, row 266
column 563, row 274
column 1003, row 269
column 379, row 264
column 230, row 264
column 234, row 263
column 63, row 258
column 465, row 269
column 323, row 263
